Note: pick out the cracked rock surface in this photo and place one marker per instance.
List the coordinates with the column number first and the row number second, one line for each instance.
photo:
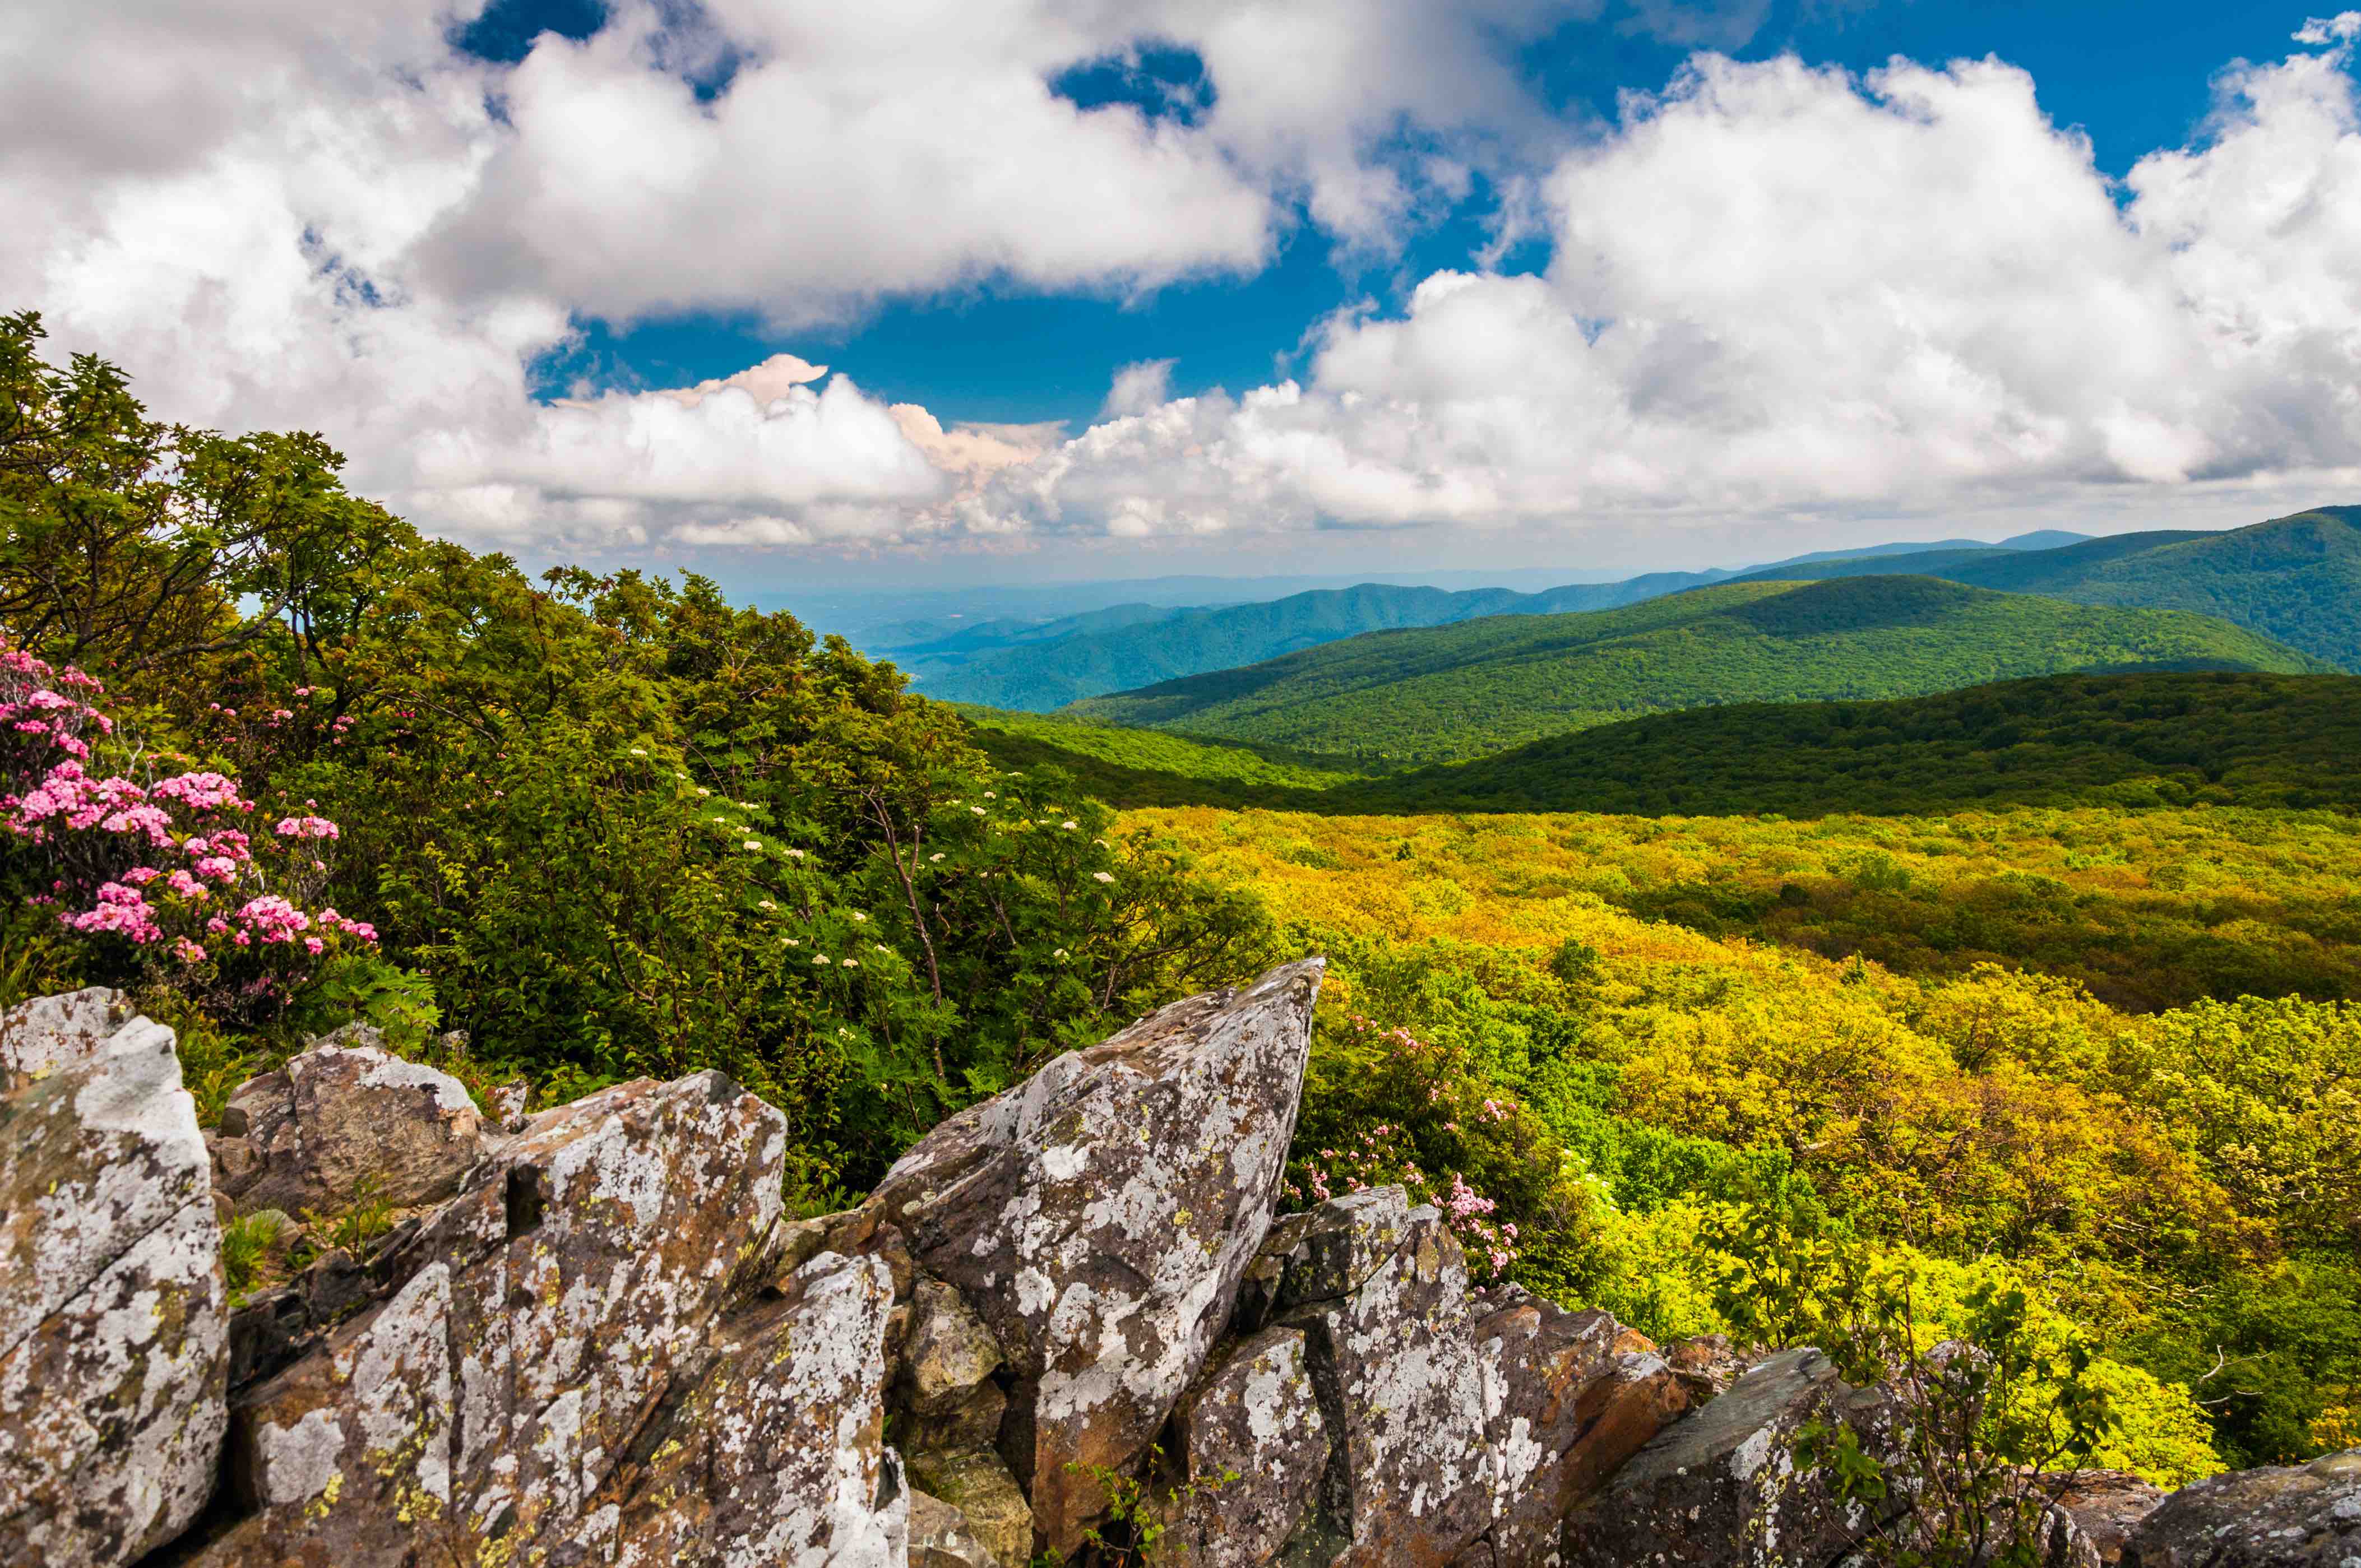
column 1099, row 1216
column 113, row 1346
column 597, row 1339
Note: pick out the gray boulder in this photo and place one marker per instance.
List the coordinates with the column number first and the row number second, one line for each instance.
column 2105, row 1506
column 41, row 1035
column 1721, row 1488
column 339, row 1121
column 1098, row 1219
column 1564, row 1409
column 114, row 1348
column 592, row 1353
column 1379, row 1291
column 939, row 1537
column 947, row 1359
column 2297, row 1515
column 1246, row 1456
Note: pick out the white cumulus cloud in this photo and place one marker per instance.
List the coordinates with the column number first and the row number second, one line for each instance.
column 1777, row 288
column 1772, row 289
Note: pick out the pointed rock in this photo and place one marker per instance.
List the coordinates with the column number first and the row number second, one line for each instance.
column 1099, row 1218
column 114, row 1348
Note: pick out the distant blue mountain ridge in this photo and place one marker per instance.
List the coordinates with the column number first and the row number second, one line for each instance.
column 1035, row 666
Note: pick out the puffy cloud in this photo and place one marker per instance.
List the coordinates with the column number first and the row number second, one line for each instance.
column 1772, row 289
column 1779, row 290
column 1138, row 388
column 280, row 213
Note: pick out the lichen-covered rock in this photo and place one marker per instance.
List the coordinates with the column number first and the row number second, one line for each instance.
column 2299, row 1515
column 1564, row 1409
column 41, row 1035
column 939, row 1537
column 589, row 1355
column 2106, row 1506
column 1099, row 1217
column 339, row 1120
column 776, row 1454
column 948, row 1358
column 1707, row 1365
column 1379, row 1291
column 112, row 1329
column 977, row 1483
column 1246, row 1456
column 1721, row 1489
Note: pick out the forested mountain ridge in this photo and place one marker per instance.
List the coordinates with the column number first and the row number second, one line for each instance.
column 1455, row 692
column 1033, row 666
column 2058, row 741
column 1034, row 669
column 2296, row 579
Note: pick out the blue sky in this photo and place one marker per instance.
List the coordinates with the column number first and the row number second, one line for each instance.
column 957, row 290
column 2133, row 77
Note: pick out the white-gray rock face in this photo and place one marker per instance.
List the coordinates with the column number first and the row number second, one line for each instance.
column 1721, row 1489
column 1099, row 1217
column 2293, row 1516
column 1379, row 1291
column 592, row 1356
column 38, row 1036
column 114, row 1348
column 336, row 1117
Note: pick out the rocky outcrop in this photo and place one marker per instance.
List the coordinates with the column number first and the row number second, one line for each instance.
column 1564, row 1408
column 1246, row 1457
column 343, row 1118
column 589, row 1356
column 1099, row 1218
column 2105, row 1506
column 38, row 1036
column 113, row 1350
column 2306, row 1515
column 1722, row 1488
column 1068, row 1322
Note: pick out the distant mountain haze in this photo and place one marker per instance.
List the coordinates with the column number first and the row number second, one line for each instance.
column 2296, row 579
column 1451, row 692
column 1038, row 666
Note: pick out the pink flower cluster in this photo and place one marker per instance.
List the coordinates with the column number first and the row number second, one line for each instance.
column 158, row 864
column 50, row 709
column 1430, row 1088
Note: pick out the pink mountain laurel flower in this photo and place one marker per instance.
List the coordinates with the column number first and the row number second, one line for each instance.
column 306, row 828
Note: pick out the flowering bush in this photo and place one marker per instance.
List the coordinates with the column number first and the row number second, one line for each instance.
column 1384, row 1105
column 1383, row 1156
column 170, row 876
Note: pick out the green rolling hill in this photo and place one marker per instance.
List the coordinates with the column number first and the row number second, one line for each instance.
column 2060, row 741
column 1035, row 669
column 1151, row 767
column 1455, row 692
column 2296, row 579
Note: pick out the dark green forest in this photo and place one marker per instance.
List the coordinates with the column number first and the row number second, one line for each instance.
column 1456, row 692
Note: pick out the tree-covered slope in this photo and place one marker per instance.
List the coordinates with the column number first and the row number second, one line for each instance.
column 1152, row 767
column 2296, row 579
column 1449, row 693
column 1055, row 665
column 2058, row 741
